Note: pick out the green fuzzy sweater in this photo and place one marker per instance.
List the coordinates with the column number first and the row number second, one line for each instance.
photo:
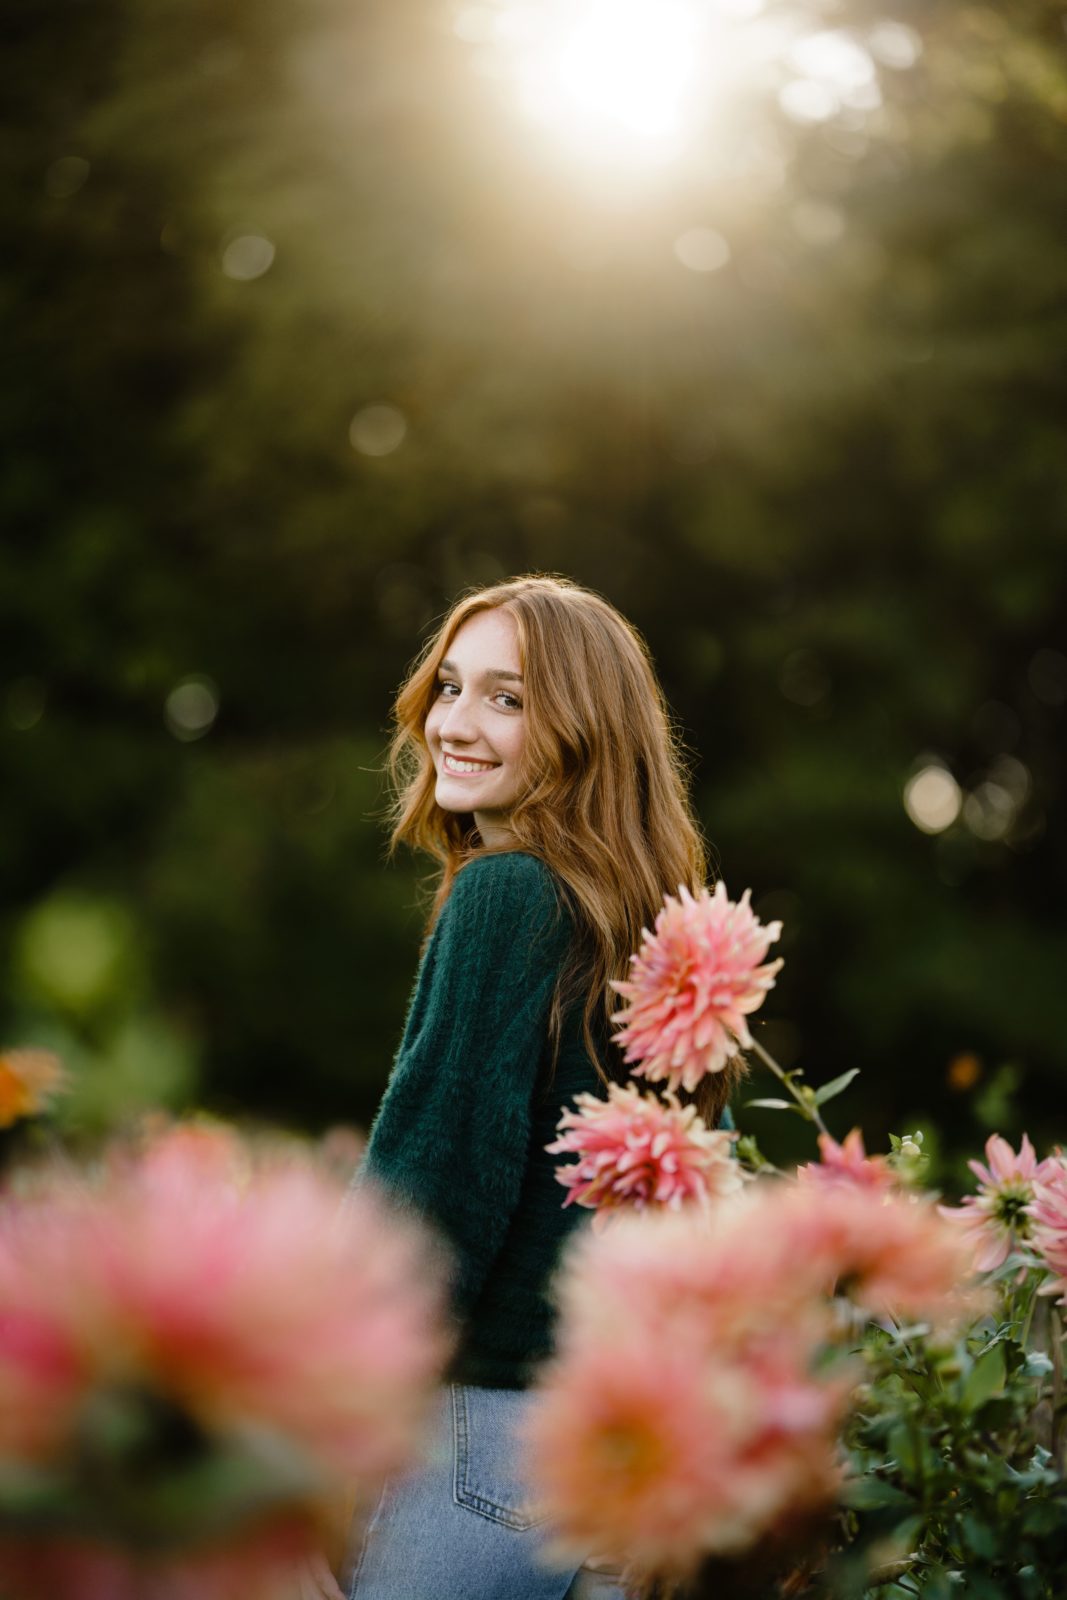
column 461, row 1131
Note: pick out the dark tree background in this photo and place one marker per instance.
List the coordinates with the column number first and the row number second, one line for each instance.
column 307, row 329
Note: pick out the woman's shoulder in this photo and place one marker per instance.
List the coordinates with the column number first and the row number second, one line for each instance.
column 506, row 885
column 506, row 869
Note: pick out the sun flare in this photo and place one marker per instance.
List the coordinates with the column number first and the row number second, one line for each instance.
column 615, row 75
column 633, row 85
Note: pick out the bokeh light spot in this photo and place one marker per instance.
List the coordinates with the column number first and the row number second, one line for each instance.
column 964, row 1071
column 804, row 100
column 894, row 45
column 989, row 810
column 191, row 708
column 817, row 222
column 377, row 430
column 833, row 59
column 248, row 256
column 76, row 952
column 702, row 249
column 932, row 798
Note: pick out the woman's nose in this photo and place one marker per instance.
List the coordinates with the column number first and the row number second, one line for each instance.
column 457, row 723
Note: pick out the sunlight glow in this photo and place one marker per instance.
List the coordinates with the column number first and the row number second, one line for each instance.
column 616, row 73
column 634, row 84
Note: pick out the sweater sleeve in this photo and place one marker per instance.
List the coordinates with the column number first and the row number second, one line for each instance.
column 451, row 1137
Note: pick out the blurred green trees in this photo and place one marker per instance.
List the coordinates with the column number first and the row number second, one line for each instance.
column 307, row 329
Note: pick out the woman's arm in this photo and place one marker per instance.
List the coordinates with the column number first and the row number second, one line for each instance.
column 451, row 1136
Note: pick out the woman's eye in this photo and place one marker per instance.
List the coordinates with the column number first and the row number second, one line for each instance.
column 445, row 684
column 511, row 702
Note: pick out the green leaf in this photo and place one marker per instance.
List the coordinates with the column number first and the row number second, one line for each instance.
column 938, row 1586
column 985, row 1379
column 835, row 1086
column 979, row 1538
column 777, row 1105
column 868, row 1494
column 908, row 1532
column 902, row 1448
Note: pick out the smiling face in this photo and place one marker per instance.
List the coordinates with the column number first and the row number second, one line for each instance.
column 475, row 729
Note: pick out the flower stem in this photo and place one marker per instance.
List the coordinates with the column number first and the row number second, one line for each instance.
column 1055, row 1334
column 810, row 1110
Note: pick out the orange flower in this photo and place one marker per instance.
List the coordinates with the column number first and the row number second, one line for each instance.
column 29, row 1079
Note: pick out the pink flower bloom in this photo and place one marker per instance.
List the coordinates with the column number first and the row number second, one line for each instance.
column 681, row 1416
column 726, row 1269
column 996, row 1219
column 662, row 1455
column 890, row 1253
column 245, row 1298
column 1048, row 1209
column 261, row 1564
column 686, row 1411
column 693, row 982
column 847, row 1163
column 638, row 1151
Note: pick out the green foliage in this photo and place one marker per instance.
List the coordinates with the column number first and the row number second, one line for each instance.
column 954, row 1447
column 949, row 1451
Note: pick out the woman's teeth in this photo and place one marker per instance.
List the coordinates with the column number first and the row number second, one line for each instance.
column 454, row 765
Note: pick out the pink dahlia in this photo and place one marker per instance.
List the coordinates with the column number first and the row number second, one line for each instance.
column 682, row 1415
column 638, row 1151
column 890, row 1253
column 693, row 982
column 729, row 1268
column 1048, row 1209
column 240, row 1298
column 997, row 1218
column 847, row 1163
column 661, row 1456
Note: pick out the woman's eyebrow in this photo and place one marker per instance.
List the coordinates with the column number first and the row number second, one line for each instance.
column 496, row 673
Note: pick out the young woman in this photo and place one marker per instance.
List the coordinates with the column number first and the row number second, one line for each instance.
column 535, row 762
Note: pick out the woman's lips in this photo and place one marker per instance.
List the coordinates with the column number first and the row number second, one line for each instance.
column 460, row 767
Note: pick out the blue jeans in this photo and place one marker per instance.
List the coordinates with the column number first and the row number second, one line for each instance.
column 457, row 1528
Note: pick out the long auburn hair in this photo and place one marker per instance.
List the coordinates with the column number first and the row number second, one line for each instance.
column 604, row 801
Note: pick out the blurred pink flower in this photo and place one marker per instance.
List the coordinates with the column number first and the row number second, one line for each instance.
column 681, row 1416
column 663, row 1455
column 247, row 1298
column 690, row 1408
column 890, row 1253
column 1048, row 1209
column 638, row 1151
column 693, row 982
column 997, row 1218
column 847, row 1163
column 727, row 1268
column 259, row 1566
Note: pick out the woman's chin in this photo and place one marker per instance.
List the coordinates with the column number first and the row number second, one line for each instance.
column 451, row 796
